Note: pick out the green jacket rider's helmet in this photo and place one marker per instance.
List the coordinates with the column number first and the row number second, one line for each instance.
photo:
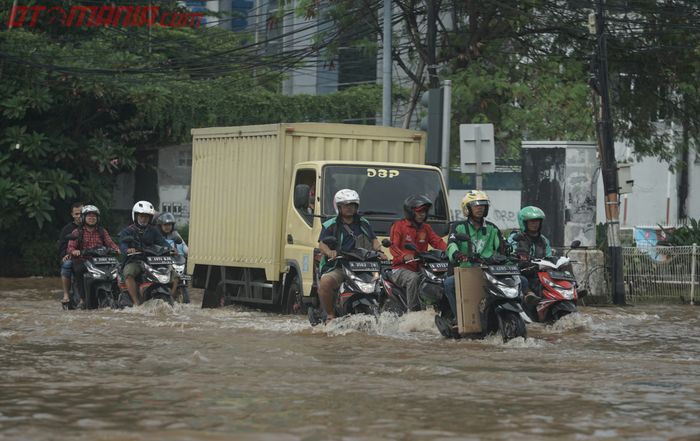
column 530, row 213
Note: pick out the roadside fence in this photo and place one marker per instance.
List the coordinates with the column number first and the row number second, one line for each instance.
column 661, row 274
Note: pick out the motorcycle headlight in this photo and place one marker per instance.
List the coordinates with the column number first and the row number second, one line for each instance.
column 567, row 293
column 364, row 287
column 508, row 287
column 160, row 276
column 510, row 292
column 94, row 271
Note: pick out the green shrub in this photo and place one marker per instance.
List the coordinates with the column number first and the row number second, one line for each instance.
column 39, row 258
column 688, row 234
column 184, row 232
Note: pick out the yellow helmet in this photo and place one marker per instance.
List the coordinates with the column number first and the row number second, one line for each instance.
column 474, row 198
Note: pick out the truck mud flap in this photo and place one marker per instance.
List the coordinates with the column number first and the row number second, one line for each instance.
column 212, row 297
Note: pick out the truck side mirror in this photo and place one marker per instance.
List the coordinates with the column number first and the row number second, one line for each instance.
column 331, row 242
column 386, row 243
column 301, row 197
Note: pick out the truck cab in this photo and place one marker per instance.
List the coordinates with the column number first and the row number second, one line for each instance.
column 382, row 188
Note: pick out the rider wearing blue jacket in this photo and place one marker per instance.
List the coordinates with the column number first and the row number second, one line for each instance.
column 134, row 238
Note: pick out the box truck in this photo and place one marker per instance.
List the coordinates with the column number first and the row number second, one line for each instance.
column 259, row 195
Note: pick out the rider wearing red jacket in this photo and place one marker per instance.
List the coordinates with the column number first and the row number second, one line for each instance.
column 413, row 230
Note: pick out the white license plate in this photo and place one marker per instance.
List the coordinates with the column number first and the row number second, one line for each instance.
column 438, row 266
column 363, row 266
column 159, row 260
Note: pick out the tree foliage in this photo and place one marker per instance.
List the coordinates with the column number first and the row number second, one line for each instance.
column 524, row 66
column 74, row 101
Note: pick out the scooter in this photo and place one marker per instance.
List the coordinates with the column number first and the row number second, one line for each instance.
column 100, row 279
column 556, row 287
column 180, row 266
column 155, row 279
column 360, row 290
column 433, row 270
column 500, row 309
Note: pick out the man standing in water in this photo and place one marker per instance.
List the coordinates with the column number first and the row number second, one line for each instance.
column 66, row 262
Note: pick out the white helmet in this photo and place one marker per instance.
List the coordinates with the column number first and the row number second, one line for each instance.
column 89, row 209
column 344, row 197
column 144, row 207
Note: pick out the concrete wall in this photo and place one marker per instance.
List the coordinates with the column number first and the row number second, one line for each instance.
column 654, row 199
column 502, row 212
column 174, row 175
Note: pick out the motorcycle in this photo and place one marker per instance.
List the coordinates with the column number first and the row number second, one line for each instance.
column 156, row 276
column 500, row 309
column 433, row 270
column 99, row 281
column 360, row 290
column 556, row 287
column 180, row 266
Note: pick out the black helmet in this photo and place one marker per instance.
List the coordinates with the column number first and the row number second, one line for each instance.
column 166, row 218
column 414, row 201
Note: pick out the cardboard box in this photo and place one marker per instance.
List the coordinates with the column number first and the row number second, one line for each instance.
column 469, row 290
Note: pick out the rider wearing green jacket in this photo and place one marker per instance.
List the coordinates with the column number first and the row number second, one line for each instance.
column 485, row 240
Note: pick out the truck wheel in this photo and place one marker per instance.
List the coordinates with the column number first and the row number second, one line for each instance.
column 292, row 298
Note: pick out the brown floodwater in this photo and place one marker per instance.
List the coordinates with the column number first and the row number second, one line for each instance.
column 183, row 373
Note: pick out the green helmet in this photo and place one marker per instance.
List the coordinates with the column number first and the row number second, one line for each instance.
column 529, row 213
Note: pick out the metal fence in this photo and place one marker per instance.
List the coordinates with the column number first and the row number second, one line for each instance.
column 661, row 274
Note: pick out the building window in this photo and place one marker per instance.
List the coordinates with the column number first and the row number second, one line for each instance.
column 184, row 158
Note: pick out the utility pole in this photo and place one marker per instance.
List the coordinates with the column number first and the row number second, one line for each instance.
column 433, row 82
column 386, row 66
column 606, row 149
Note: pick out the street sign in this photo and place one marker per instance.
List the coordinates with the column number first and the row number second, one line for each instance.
column 476, row 145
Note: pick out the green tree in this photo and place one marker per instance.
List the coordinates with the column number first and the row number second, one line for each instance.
column 73, row 100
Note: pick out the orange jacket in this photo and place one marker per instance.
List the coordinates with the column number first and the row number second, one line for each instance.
column 406, row 231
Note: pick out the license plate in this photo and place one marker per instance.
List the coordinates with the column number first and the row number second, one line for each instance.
column 438, row 266
column 159, row 260
column 363, row 266
column 104, row 260
column 562, row 275
column 503, row 270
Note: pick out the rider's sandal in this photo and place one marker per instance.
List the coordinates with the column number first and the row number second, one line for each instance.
column 65, row 304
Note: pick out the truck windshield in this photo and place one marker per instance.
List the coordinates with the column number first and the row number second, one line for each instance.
column 382, row 192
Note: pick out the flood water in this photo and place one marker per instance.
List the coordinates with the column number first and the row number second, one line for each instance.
column 183, row 373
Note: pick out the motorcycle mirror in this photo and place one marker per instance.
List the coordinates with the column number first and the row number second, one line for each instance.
column 331, row 242
column 386, row 243
column 301, row 196
column 576, row 244
column 178, row 240
column 410, row 246
column 71, row 237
